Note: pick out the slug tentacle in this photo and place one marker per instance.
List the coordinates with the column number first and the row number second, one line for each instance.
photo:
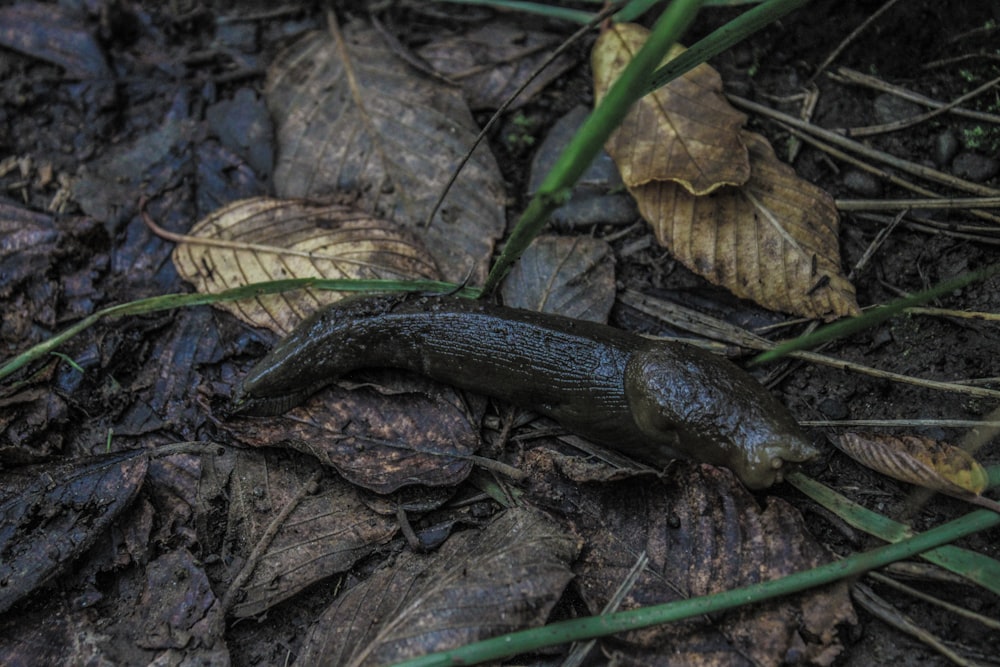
column 652, row 400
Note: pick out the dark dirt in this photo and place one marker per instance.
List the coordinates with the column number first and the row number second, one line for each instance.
column 127, row 116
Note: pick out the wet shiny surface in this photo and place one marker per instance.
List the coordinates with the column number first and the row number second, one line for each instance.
column 652, row 400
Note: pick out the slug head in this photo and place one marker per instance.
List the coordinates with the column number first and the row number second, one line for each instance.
column 712, row 411
column 295, row 368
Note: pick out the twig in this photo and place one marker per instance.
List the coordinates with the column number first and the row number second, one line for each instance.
column 724, row 331
column 881, row 173
column 884, row 611
column 307, row 488
column 874, row 246
column 895, row 204
column 880, row 156
column 495, row 118
column 893, row 423
column 579, row 651
column 850, row 38
column 871, row 130
column 989, row 235
column 849, row 76
column 991, row 623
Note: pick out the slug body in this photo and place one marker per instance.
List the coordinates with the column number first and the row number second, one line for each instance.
column 652, row 400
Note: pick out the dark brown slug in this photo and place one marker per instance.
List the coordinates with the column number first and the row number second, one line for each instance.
column 652, row 400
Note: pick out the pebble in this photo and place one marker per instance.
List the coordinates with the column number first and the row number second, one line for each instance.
column 890, row 109
column 862, row 183
column 945, row 147
column 974, row 167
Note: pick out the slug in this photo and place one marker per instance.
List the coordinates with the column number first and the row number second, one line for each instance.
column 652, row 400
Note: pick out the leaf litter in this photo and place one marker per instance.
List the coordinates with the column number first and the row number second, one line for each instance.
column 479, row 584
column 354, row 118
column 250, row 491
column 703, row 533
column 716, row 195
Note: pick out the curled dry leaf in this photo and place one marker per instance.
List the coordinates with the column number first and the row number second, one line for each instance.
column 773, row 240
column 718, row 197
column 356, row 122
column 918, row 460
column 568, row 275
column 479, row 584
column 260, row 239
column 703, row 533
column 685, row 132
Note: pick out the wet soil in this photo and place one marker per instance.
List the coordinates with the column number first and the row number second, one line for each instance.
column 129, row 113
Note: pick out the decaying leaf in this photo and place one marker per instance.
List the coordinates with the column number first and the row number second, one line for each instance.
column 703, row 533
column 178, row 608
column 260, row 239
column 773, row 240
column 52, row 513
column 357, row 123
column 925, row 462
column 685, row 132
column 568, row 275
column 58, row 632
column 57, row 34
column 326, row 533
column 492, row 62
column 478, row 585
column 377, row 441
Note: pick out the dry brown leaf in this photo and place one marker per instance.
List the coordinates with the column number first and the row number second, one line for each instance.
column 685, row 132
column 356, row 122
column 703, row 533
column 774, row 240
column 325, row 534
column 925, row 462
column 479, row 584
column 260, row 239
column 52, row 513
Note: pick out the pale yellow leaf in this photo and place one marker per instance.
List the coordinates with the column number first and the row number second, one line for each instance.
column 922, row 461
column 685, row 132
column 773, row 240
column 260, row 239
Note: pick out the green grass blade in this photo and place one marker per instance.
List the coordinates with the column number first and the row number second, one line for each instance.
column 541, row 9
column 721, row 39
column 633, row 83
column 872, row 317
column 975, row 567
column 588, row 141
column 600, row 626
column 171, row 301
